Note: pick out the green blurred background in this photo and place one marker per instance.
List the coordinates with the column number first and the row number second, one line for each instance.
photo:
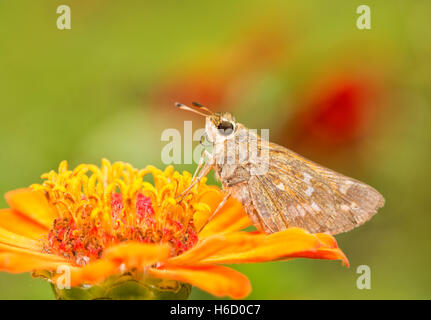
column 355, row 100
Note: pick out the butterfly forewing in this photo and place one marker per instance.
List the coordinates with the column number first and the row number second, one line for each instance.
column 298, row 192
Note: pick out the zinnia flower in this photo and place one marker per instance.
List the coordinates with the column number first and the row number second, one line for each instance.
column 116, row 235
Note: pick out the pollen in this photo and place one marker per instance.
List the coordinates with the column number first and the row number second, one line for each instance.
column 102, row 206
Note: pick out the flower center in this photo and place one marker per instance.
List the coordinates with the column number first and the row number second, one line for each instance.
column 100, row 207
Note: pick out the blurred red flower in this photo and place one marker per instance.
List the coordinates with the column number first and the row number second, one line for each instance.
column 338, row 112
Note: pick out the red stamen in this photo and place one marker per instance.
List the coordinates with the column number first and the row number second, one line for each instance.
column 85, row 239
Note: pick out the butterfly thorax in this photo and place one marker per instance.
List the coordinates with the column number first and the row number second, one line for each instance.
column 234, row 158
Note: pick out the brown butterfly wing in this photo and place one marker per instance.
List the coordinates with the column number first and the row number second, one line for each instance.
column 298, row 192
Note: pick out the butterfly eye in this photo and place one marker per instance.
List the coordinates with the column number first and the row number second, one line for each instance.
column 225, row 128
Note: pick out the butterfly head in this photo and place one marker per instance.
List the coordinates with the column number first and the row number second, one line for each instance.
column 220, row 126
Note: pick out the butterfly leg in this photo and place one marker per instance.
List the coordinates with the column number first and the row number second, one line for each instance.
column 200, row 163
column 206, row 168
column 221, row 204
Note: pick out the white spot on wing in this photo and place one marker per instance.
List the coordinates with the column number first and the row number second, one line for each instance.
column 315, row 207
column 309, row 191
column 292, row 210
column 280, row 186
column 307, row 180
column 345, row 186
column 345, row 207
column 300, row 210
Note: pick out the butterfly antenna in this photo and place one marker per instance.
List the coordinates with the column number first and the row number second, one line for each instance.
column 198, row 105
column 184, row 107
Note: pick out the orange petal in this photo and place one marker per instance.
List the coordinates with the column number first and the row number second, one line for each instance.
column 131, row 254
column 92, row 273
column 223, row 242
column 137, row 255
column 15, row 222
column 292, row 242
column 212, row 198
column 30, row 252
column 33, row 205
column 217, row 280
column 17, row 263
column 15, row 260
column 231, row 217
column 322, row 253
column 10, row 238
